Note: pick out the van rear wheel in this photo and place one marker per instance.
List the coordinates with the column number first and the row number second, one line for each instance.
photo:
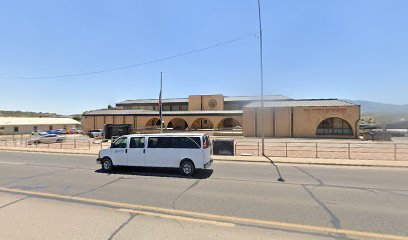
column 107, row 165
column 187, row 168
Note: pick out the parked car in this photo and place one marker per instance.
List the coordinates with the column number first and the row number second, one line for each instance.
column 187, row 152
column 75, row 131
column 62, row 131
column 39, row 133
column 49, row 138
column 53, row 132
column 95, row 133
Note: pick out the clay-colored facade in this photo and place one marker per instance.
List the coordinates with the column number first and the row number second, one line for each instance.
column 283, row 117
column 298, row 122
column 140, row 122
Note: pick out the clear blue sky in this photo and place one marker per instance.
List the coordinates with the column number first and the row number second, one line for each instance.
column 354, row 49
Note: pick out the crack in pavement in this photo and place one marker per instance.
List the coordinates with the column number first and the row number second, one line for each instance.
column 180, row 194
column 322, row 184
column 99, row 187
column 19, row 179
column 131, row 216
column 333, row 218
column 13, row 202
column 310, row 175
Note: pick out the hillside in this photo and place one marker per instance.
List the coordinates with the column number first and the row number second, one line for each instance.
column 380, row 113
column 27, row 114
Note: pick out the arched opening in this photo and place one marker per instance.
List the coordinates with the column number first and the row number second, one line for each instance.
column 153, row 123
column 229, row 123
column 334, row 126
column 177, row 124
column 202, row 123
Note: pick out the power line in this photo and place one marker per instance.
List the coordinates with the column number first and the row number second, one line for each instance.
column 137, row 64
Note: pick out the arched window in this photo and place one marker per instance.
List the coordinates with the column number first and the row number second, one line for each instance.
column 334, row 126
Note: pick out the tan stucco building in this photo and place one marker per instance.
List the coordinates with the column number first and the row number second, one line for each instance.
column 24, row 125
column 303, row 118
column 283, row 116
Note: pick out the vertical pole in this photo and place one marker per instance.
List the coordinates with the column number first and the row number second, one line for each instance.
column 60, row 145
column 258, row 148
column 89, row 145
column 316, row 151
column 161, row 110
column 101, row 144
column 395, row 151
column 349, row 154
column 74, row 143
column 286, row 149
column 261, row 69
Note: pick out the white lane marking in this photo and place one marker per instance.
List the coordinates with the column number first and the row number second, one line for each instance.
column 14, row 163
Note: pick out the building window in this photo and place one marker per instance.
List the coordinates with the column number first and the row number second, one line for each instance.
column 166, row 107
column 334, row 126
column 50, row 127
column 15, row 129
column 35, row 128
column 184, row 107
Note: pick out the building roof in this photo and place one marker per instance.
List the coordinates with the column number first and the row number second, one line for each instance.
column 304, row 103
column 154, row 101
column 156, row 113
column 256, row 98
column 185, row 100
column 18, row 121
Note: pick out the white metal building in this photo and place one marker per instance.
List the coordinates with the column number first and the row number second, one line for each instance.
column 24, row 125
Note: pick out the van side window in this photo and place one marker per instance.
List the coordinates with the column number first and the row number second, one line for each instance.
column 120, row 143
column 136, row 142
column 185, row 142
column 159, row 142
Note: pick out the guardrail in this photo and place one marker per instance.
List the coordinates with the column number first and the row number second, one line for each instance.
column 368, row 151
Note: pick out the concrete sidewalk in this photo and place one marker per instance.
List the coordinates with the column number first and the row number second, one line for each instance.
column 314, row 161
column 248, row 159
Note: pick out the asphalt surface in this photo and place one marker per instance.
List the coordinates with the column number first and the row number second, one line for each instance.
column 354, row 198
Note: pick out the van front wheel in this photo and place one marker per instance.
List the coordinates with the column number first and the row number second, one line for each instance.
column 187, row 168
column 107, row 165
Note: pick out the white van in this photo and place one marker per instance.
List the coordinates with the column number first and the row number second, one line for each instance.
column 184, row 151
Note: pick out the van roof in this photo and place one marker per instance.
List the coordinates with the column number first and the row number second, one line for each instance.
column 167, row 134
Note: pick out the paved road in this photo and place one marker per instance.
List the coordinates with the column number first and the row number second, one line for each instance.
column 354, row 198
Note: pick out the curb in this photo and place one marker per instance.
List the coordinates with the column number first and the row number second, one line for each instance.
column 315, row 163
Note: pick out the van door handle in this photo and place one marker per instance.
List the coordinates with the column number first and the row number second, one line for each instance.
column 144, row 150
column 126, row 151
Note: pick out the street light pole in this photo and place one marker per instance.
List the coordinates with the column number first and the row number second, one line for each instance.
column 262, row 94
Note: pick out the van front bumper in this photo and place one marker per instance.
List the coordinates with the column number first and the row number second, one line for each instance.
column 208, row 165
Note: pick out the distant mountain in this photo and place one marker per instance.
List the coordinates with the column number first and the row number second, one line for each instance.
column 377, row 107
column 381, row 113
column 26, row 114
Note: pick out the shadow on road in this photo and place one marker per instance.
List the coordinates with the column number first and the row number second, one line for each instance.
column 157, row 172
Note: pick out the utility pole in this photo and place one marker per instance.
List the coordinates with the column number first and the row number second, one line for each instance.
column 160, row 103
column 262, row 94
